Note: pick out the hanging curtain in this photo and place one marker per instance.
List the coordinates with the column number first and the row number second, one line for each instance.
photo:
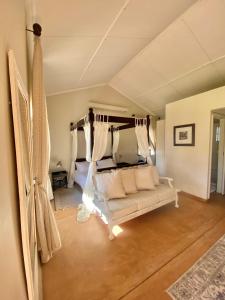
column 47, row 231
column 100, row 143
column 73, row 158
column 49, row 189
column 142, row 139
column 22, row 122
column 116, row 138
column 152, row 139
column 87, row 135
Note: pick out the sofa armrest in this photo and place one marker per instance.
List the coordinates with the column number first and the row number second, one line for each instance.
column 168, row 180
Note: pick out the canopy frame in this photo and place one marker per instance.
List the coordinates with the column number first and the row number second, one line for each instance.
column 128, row 122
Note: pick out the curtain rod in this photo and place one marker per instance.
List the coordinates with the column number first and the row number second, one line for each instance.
column 36, row 29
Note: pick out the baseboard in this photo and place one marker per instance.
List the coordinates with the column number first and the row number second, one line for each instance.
column 192, row 196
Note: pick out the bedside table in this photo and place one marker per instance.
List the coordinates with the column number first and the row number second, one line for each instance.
column 59, row 179
column 123, row 164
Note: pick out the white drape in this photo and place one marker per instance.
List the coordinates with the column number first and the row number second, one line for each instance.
column 47, row 231
column 142, row 139
column 49, row 189
column 87, row 135
column 116, row 139
column 152, row 138
column 73, row 158
column 100, row 143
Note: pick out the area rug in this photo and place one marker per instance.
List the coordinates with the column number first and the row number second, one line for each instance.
column 66, row 198
column 205, row 280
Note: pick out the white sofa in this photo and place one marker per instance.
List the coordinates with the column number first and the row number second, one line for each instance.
column 116, row 211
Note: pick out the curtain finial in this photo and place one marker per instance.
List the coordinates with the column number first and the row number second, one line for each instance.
column 36, row 29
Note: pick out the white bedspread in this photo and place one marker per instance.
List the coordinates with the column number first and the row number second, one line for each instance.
column 80, row 178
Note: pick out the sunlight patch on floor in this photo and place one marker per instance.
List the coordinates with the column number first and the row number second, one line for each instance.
column 117, row 230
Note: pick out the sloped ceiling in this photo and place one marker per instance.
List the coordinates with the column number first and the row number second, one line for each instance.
column 153, row 51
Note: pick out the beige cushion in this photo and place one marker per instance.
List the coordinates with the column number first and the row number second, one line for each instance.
column 128, row 180
column 144, row 178
column 134, row 202
column 110, row 184
column 148, row 198
column 118, row 207
column 154, row 171
column 155, row 175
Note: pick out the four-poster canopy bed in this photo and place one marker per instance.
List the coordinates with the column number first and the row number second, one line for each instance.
column 82, row 169
column 132, row 191
column 128, row 122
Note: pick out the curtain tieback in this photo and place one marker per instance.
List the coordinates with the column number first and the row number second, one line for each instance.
column 37, row 181
column 38, row 185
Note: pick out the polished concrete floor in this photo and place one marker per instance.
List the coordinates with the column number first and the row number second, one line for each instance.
column 148, row 255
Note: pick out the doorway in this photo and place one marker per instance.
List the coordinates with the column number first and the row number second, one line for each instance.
column 218, row 149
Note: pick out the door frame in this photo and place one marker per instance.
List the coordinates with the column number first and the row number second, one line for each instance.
column 219, row 116
column 220, row 170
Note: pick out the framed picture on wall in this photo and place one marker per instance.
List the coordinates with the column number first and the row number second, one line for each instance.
column 184, row 135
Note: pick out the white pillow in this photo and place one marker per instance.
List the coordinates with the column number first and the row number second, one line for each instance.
column 110, row 184
column 128, row 180
column 155, row 175
column 154, row 172
column 105, row 163
column 82, row 166
column 144, row 179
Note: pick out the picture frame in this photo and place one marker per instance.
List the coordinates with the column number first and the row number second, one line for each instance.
column 184, row 135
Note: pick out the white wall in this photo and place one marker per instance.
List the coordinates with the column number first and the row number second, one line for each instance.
column 12, row 35
column 190, row 166
column 71, row 107
column 160, row 147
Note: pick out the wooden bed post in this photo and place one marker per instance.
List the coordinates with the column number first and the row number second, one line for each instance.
column 91, row 120
column 111, row 129
column 148, row 125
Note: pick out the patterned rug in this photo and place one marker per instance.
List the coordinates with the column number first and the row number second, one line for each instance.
column 65, row 198
column 205, row 280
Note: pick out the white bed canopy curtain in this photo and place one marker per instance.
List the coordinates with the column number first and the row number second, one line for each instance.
column 73, row 158
column 152, row 138
column 101, row 129
column 47, row 231
column 142, row 139
column 116, row 139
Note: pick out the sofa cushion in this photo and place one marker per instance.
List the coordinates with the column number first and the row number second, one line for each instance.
column 128, row 180
column 135, row 202
column 154, row 172
column 155, row 175
column 150, row 198
column 118, row 207
column 144, row 178
column 110, row 184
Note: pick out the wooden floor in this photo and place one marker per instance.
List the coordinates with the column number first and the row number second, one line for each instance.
column 150, row 253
